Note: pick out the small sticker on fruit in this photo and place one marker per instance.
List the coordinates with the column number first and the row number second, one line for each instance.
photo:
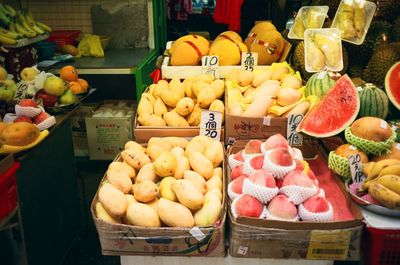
column 383, row 124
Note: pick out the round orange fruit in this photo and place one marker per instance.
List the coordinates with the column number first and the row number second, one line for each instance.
column 75, row 87
column 84, row 84
column 69, row 73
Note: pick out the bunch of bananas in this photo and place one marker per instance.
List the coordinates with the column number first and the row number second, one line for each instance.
column 15, row 25
column 383, row 182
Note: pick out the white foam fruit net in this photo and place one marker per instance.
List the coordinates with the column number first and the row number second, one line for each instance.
column 261, row 193
column 248, row 169
column 306, row 215
column 27, row 111
column 296, row 153
column 277, row 171
column 47, row 123
column 269, row 216
column 233, row 162
column 298, row 194
column 232, row 195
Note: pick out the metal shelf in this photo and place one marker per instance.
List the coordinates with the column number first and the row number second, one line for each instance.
column 25, row 41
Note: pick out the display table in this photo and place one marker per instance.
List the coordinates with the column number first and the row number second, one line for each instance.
column 133, row 260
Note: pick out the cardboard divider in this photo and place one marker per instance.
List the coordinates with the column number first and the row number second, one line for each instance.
column 286, row 239
column 123, row 239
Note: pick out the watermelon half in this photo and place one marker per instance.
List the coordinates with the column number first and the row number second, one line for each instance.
column 392, row 84
column 336, row 111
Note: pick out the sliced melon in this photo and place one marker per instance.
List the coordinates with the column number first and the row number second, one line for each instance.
column 336, row 111
column 392, row 84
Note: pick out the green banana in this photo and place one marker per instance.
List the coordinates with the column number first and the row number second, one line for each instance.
column 11, row 11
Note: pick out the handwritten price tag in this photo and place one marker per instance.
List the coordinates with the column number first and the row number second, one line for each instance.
column 210, row 124
column 210, row 65
column 294, row 138
column 356, row 168
column 249, row 60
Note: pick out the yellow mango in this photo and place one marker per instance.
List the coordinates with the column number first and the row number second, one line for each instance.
column 194, row 118
column 119, row 179
column 174, row 214
column 197, row 180
column 188, row 194
column 182, row 164
column 173, row 119
column 219, row 87
column 209, row 213
column 215, row 153
column 113, row 200
column 177, row 87
column 201, row 164
column 130, row 198
column 194, row 146
column 144, row 107
column 204, row 140
column 166, row 189
column 218, row 105
column 198, row 86
column 175, row 141
column 205, row 97
column 184, row 106
column 218, row 172
column 151, row 120
column 141, row 214
column 134, row 158
column 169, row 98
column 102, row 214
column 147, row 172
column 214, row 183
column 123, row 167
column 149, row 97
column 153, row 204
column 161, row 86
column 207, row 78
column 165, row 165
column 187, row 85
column 155, row 148
column 178, row 151
column 135, row 146
column 159, row 108
column 217, row 192
column 145, row 191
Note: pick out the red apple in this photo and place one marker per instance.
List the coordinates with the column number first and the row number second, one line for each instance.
column 48, row 100
column 27, row 103
column 23, row 118
column 42, row 116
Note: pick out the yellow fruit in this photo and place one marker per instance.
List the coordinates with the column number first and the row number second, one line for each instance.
column 184, row 106
column 135, row 146
column 175, row 141
column 69, row 49
column 197, row 39
column 147, row 172
column 123, row 167
column 153, row 204
column 194, row 146
column 187, row 85
column 288, row 96
column 391, row 182
column 188, row 52
column 174, row 214
column 166, row 189
column 169, row 98
column 194, row 118
column 260, row 77
column 145, row 191
column 160, row 108
column 151, row 120
column 245, row 78
column 215, row 182
column 272, row 53
column 204, row 140
column 257, row 29
column 134, row 158
column 165, row 164
column 3, row 73
column 219, row 87
column 216, row 192
column 197, row 180
column 102, row 214
column 130, row 199
column 188, row 194
column 201, row 164
column 144, row 107
column 215, row 153
column 280, row 72
column 291, row 81
column 218, row 172
column 113, row 200
column 198, row 86
column 218, row 105
column 228, row 51
column 161, row 86
column 205, row 97
column 178, row 151
column 207, row 78
column 156, row 146
column 209, row 213
column 144, row 215
column 173, row 119
column 119, row 179
column 384, row 195
column 229, row 34
column 177, row 87
column 182, row 164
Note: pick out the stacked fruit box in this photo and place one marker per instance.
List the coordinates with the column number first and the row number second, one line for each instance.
column 176, row 205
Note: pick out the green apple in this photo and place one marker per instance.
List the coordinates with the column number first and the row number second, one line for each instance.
column 67, row 98
column 6, row 94
column 54, row 85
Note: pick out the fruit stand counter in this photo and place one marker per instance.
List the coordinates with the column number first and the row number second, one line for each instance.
column 48, row 195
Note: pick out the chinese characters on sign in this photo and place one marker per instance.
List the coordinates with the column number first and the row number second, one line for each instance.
column 249, row 60
column 210, row 65
column 356, row 168
column 210, row 124
column 294, row 138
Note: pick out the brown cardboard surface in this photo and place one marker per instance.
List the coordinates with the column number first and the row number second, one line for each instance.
column 287, row 239
column 122, row 239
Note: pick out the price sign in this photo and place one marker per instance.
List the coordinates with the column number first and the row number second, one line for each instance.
column 249, row 60
column 210, row 65
column 210, row 124
column 294, row 138
column 356, row 168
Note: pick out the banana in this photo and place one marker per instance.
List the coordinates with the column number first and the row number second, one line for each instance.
column 10, row 34
column 391, row 182
column 4, row 18
column 385, row 196
column 21, row 29
column 24, row 23
column 32, row 23
column 366, row 168
column 11, row 11
column 7, row 40
column 379, row 166
column 4, row 11
column 390, row 170
column 44, row 26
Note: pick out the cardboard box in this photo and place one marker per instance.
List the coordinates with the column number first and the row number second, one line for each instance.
column 242, row 128
column 169, row 72
column 107, row 135
column 122, row 239
column 296, row 240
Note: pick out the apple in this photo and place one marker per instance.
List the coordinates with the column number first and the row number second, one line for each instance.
column 3, row 73
column 42, row 116
column 54, row 85
column 48, row 100
column 23, row 118
column 28, row 73
column 27, row 103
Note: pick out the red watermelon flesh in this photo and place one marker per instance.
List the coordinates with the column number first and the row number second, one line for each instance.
column 336, row 111
column 392, row 84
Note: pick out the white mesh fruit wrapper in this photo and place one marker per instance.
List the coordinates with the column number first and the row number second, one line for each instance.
column 27, row 111
column 277, row 171
column 263, row 150
column 232, row 195
column 306, row 215
column 47, row 123
column 233, row 162
column 247, row 156
column 269, row 216
column 247, row 167
column 261, row 193
column 9, row 117
column 234, row 213
column 297, row 154
column 298, row 194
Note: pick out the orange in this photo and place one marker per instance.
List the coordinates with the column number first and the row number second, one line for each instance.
column 75, row 87
column 84, row 84
column 69, row 73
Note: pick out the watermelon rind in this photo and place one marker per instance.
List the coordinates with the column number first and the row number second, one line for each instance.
column 388, row 88
column 340, row 165
column 368, row 146
column 373, row 101
column 345, row 121
column 319, row 84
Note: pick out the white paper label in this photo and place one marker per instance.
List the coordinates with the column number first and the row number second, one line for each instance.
column 211, row 123
column 196, row 233
column 352, row 147
column 321, row 75
column 242, row 250
column 210, row 65
column 231, row 140
column 294, row 138
column 267, row 121
column 356, row 168
column 249, row 60
column 398, row 146
column 383, row 124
